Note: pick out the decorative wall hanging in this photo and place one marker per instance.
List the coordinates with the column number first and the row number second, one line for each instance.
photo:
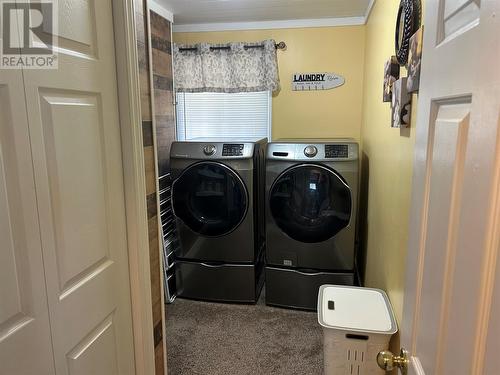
column 414, row 61
column 401, row 104
column 391, row 74
column 232, row 67
column 316, row 81
column 407, row 23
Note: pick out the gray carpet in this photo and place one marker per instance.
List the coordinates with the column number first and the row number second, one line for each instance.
column 224, row 339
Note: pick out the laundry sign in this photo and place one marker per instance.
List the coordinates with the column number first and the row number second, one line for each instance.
column 316, row 81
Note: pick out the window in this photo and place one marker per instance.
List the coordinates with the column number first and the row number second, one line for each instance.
column 222, row 115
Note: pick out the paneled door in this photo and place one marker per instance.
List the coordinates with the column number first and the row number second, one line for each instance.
column 74, row 135
column 25, row 343
column 452, row 300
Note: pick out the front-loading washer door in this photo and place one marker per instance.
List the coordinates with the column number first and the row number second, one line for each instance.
column 210, row 199
column 310, row 203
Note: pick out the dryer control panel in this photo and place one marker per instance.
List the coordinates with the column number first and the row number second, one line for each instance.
column 331, row 151
column 336, row 151
column 233, row 149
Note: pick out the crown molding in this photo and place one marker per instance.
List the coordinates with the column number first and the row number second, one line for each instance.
column 266, row 25
column 369, row 10
column 157, row 8
column 277, row 24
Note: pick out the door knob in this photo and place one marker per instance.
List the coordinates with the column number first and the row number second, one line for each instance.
column 388, row 361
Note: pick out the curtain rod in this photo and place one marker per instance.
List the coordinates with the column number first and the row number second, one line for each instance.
column 280, row 45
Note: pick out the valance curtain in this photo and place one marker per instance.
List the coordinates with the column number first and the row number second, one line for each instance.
column 234, row 69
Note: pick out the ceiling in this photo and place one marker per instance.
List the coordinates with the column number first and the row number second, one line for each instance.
column 189, row 13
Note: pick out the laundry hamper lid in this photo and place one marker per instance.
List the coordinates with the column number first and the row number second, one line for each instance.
column 355, row 309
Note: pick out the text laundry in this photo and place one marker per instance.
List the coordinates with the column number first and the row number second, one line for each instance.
column 308, row 77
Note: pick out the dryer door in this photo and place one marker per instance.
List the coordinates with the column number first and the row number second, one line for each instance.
column 310, row 203
column 210, row 198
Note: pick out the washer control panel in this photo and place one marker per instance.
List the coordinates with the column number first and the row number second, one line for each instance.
column 336, row 151
column 310, row 151
column 209, row 149
column 232, row 149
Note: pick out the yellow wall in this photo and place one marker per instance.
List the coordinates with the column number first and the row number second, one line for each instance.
column 322, row 114
column 386, row 164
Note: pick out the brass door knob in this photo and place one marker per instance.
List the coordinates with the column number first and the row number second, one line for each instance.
column 388, row 361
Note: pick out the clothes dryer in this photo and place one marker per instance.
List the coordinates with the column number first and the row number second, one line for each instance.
column 311, row 214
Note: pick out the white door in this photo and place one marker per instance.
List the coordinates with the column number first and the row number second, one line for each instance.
column 24, row 317
column 449, row 326
column 75, row 147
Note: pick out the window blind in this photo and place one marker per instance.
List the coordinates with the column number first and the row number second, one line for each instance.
column 223, row 115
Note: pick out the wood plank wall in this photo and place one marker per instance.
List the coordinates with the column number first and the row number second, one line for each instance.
column 150, row 169
column 163, row 108
column 164, row 117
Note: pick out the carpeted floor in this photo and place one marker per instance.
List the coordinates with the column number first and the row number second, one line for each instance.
column 223, row 339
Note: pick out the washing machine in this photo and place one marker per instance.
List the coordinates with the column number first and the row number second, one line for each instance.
column 218, row 203
column 311, row 214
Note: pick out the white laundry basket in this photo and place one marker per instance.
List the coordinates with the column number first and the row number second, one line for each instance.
column 357, row 324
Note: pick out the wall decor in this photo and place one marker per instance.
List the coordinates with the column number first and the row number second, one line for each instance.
column 407, row 23
column 414, row 61
column 401, row 104
column 316, row 81
column 391, row 74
